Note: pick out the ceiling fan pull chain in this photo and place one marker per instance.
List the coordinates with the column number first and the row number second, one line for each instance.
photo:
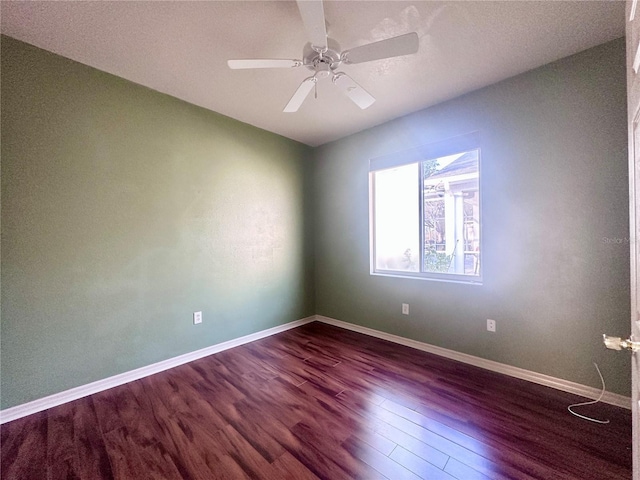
column 315, row 90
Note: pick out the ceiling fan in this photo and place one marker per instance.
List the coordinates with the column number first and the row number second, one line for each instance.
column 322, row 56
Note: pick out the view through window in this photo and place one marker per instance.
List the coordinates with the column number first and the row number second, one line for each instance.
column 426, row 217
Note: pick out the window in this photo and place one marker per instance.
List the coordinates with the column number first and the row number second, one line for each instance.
column 425, row 211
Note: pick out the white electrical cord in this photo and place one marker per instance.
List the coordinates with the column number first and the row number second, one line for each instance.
column 591, row 402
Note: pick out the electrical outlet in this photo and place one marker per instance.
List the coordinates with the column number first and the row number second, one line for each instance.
column 491, row 325
column 197, row 318
column 405, row 309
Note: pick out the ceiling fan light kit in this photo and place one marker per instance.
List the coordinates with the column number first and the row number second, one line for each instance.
column 321, row 55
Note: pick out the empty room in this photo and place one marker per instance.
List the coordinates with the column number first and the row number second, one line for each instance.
column 319, row 240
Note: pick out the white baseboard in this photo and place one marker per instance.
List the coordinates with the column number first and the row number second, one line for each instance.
column 56, row 399
column 539, row 378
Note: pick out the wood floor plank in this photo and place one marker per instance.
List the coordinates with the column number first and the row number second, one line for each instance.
column 280, row 363
column 106, row 405
column 434, row 426
column 62, row 454
column 287, row 467
column 179, row 394
column 124, row 457
column 245, row 366
column 377, row 441
column 24, row 448
column 141, row 435
column 258, row 429
column 381, row 463
column 415, row 445
column 198, row 445
column 479, row 462
column 254, row 465
column 313, row 459
column 462, row 472
column 347, row 464
column 507, row 437
column 316, row 374
column 339, row 423
column 177, row 439
column 320, row 402
column 93, row 459
column 214, row 376
column 418, row 465
column 280, row 398
column 158, row 462
column 320, row 415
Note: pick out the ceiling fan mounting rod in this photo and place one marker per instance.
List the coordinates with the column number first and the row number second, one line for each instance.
column 320, row 50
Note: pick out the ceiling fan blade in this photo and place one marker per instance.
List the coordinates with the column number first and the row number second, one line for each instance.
column 263, row 63
column 391, row 47
column 301, row 93
column 351, row 89
column 312, row 13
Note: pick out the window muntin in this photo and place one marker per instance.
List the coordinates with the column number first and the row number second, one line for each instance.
column 426, row 215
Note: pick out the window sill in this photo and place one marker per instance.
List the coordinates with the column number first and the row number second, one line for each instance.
column 444, row 278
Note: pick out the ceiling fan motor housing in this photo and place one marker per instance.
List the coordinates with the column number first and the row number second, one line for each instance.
column 323, row 63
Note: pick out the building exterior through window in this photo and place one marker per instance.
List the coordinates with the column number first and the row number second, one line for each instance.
column 451, row 215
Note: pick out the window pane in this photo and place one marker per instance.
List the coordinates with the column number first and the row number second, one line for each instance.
column 451, row 214
column 396, row 221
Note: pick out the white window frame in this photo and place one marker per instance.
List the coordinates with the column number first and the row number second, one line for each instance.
column 451, row 146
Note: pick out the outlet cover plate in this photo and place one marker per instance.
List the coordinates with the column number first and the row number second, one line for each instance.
column 197, row 318
column 405, row 309
column 491, row 325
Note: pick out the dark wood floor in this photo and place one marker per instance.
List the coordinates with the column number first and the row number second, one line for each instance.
column 320, row 402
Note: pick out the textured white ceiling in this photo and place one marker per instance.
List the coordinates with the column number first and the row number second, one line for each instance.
column 180, row 48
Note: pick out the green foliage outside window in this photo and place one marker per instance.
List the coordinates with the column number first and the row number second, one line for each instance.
column 436, row 261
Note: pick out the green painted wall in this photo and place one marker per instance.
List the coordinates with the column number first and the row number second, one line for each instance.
column 555, row 205
column 123, row 212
